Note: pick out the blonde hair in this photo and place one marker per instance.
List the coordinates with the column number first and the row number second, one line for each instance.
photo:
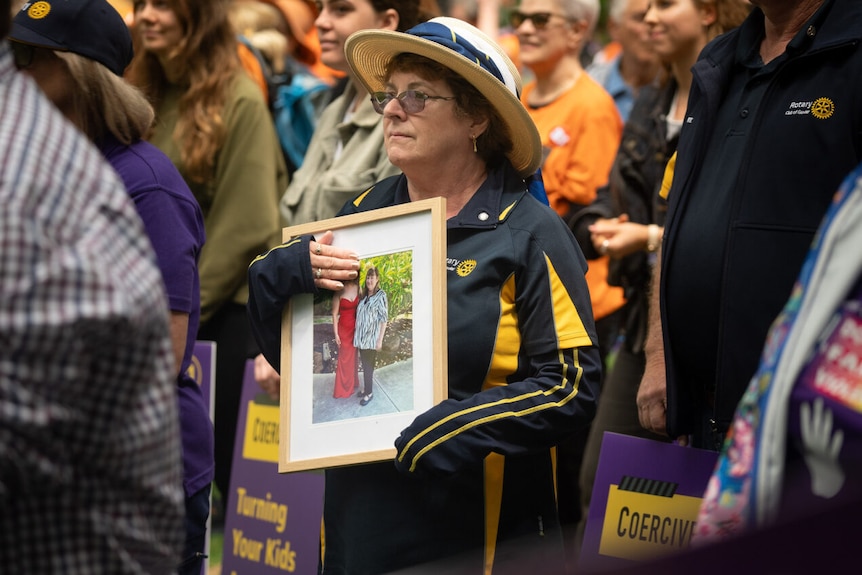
column 104, row 103
column 261, row 25
column 248, row 17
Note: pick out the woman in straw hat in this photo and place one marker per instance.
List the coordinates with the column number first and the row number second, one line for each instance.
column 345, row 154
column 473, row 480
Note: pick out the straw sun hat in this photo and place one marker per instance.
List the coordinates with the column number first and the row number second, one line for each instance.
column 466, row 51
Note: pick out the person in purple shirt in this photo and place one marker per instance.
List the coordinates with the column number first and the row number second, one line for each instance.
column 77, row 53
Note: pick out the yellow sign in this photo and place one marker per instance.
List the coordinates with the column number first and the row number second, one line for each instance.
column 261, row 433
column 640, row 526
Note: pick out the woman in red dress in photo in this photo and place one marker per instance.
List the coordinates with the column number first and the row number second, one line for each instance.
column 344, row 304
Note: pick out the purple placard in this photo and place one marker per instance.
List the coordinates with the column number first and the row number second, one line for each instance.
column 649, row 471
column 272, row 520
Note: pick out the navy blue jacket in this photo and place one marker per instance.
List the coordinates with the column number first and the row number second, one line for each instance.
column 474, row 475
column 806, row 136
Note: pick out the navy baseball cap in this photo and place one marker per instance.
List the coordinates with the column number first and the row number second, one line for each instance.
column 91, row 28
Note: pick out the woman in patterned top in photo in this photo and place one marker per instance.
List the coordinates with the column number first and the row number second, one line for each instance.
column 372, row 314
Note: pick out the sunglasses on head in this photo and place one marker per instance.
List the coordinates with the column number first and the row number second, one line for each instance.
column 539, row 19
column 411, row 101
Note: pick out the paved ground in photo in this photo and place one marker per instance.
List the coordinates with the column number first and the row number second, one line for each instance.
column 393, row 392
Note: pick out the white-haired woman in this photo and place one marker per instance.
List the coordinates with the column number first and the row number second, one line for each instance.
column 474, row 475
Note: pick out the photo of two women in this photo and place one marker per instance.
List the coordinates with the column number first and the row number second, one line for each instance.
column 363, row 352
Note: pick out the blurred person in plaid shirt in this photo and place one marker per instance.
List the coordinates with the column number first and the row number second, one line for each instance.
column 90, row 471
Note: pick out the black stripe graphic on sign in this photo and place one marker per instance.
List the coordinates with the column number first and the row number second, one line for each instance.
column 648, row 486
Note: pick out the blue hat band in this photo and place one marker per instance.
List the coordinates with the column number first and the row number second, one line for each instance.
column 445, row 36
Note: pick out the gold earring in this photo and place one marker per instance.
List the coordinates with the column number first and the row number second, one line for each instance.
column 475, row 149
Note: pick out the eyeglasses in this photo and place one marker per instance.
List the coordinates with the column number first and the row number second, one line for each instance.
column 412, row 101
column 539, row 19
column 22, row 54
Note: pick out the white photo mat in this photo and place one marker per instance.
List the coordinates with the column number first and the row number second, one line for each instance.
column 416, row 227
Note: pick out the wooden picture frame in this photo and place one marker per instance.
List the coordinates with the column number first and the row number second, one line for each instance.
column 317, row 430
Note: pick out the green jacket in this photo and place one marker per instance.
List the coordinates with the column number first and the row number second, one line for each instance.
column 323, row 184
column 240, row 204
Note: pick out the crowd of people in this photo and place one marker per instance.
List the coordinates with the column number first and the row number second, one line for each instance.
column 651, row 214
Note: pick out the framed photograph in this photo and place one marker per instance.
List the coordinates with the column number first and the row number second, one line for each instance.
column 357, row 366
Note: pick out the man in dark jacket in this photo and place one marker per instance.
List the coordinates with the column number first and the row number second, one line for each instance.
column 773, row 124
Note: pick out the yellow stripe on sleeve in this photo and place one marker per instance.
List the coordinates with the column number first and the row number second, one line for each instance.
column 567, row 321
column 504, row 359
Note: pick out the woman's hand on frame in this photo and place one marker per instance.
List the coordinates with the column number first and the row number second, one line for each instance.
column 331, row 265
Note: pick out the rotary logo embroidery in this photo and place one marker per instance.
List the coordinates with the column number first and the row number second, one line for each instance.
column 195, row 370
column 465, row 268
column 822, row 108
column 38, row 10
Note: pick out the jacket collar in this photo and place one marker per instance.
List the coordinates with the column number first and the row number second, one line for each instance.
column 836, row 22
column 490, row 205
